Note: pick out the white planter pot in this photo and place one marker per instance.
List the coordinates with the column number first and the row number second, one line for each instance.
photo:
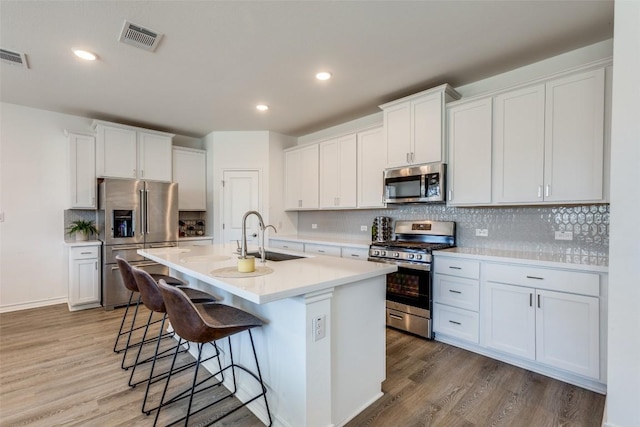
column 81, row 237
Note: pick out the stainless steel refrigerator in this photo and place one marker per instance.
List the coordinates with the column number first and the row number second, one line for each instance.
column 133, row 215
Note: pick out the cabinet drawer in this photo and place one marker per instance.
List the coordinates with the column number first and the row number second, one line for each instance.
column 313, row 248
column 456, row 322
column 355, row 253
column 456, row 291
column 457, row 267
column 576, row 282
column 84, row 252
column 288, row 245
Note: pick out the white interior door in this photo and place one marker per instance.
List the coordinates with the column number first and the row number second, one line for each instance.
column 241, row 193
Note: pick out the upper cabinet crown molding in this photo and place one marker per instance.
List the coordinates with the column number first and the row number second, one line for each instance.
column 414, row 127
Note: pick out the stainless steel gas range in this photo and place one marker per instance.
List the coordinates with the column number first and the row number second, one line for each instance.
column 409, row 290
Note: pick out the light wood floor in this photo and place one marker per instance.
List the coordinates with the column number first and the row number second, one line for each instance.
column 58, row 368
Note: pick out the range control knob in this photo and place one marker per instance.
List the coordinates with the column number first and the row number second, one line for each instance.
column 411, row 256
column 375, row 253
column 396, row 254
column 383, row 253
column 418, row 256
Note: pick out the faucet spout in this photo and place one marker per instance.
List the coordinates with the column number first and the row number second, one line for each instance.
column 243, row 249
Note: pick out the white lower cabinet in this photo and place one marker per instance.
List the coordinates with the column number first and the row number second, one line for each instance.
column 559, row 329
column 549, row 320
column 329, row 250
column 456, row 298
column 355, row 253
column 84, row 277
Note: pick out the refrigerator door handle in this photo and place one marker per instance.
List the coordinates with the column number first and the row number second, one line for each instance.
column 146, row 210
column 143, row 213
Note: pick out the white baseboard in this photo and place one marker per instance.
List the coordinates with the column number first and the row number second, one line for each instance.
column 32, row 304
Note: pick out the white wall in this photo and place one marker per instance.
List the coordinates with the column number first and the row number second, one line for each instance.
column 261, row 150
column 623, row 399
column 33, row 195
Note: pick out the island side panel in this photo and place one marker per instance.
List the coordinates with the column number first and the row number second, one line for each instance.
column 358, row 347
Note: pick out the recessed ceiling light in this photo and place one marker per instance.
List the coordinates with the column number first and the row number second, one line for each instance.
column 323, row 75
column 262, row 107
column 85, row 54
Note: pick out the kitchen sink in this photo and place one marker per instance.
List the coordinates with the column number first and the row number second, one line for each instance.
column 275, row 256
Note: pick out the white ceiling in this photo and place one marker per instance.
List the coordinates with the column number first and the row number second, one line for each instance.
column 218, row 59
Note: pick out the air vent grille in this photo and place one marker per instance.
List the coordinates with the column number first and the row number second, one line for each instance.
column 140, row 37
column 13, row 58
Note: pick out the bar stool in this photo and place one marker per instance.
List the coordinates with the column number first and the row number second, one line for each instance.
column 206, row 323
column 152, row 300
column 130, row 283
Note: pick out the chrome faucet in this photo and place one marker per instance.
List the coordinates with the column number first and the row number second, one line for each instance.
column 243, row 249
column 263, row 251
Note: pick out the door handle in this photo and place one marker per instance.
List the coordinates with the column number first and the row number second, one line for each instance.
column 395, row 316
column 454, row 292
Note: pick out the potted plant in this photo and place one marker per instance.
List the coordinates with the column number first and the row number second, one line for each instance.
column 82, row 229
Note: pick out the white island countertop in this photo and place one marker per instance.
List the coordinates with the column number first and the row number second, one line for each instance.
column 289, row 278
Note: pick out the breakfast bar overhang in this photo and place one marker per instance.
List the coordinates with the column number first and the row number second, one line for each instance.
column 322, row 350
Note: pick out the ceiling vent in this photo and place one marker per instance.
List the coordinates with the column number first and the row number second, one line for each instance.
column 14, row 58
column 140, row 37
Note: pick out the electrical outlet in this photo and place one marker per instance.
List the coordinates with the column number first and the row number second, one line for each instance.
column 564, row 235
column 482, row 232
column 363, row 228
column 314, row 226
column 318, row 327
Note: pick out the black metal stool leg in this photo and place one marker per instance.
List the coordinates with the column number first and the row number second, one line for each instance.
column 120, row 333
column 264, row 389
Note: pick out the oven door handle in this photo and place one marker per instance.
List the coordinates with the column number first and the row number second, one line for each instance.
column 401, row 264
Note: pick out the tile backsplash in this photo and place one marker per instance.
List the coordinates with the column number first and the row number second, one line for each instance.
column 524, row 228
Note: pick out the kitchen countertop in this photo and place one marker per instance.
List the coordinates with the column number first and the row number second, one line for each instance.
column 83, row 243
column 288, row 279
column 186, row 239
column 354, row 243
column 530, row 258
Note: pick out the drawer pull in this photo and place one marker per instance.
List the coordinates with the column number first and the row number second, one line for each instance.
column 355, row 255
column 395, row 316
column 321, row 251
column 85, row 253
column 455, row 268
column 454, row 322
column 454, row 292
column 534, row 277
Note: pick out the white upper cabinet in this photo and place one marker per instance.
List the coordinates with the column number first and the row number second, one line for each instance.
column 469, row 165
column 154, row 155
column 372, row 160
column 190, row 172
column 518, row 149
column 301, row 178
column 539, row 144
column 413, row 127
column 338, row 172
column 129, row 152
column 82, row 171
column 574, row 138
column 549, row 141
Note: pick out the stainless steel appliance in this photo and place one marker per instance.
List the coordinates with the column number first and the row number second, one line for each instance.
column 409, row 290
column 133, row 215
column 415, row 184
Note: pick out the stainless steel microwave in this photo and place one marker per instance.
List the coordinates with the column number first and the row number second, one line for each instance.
column 415, row 184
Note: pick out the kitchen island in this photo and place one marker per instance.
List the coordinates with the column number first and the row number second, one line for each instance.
column 322, row 349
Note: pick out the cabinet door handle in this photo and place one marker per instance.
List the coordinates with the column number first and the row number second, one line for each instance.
column 530, row 300
column 134, row 173
column 454, row 322
column 454, row 292
column 455, row 268
column 538, row 300
column 96, row 265
column 413, row 157
column 547, row 190
column 535, row 277
column 407, row 157
column 450, row 195
column 539, row 191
